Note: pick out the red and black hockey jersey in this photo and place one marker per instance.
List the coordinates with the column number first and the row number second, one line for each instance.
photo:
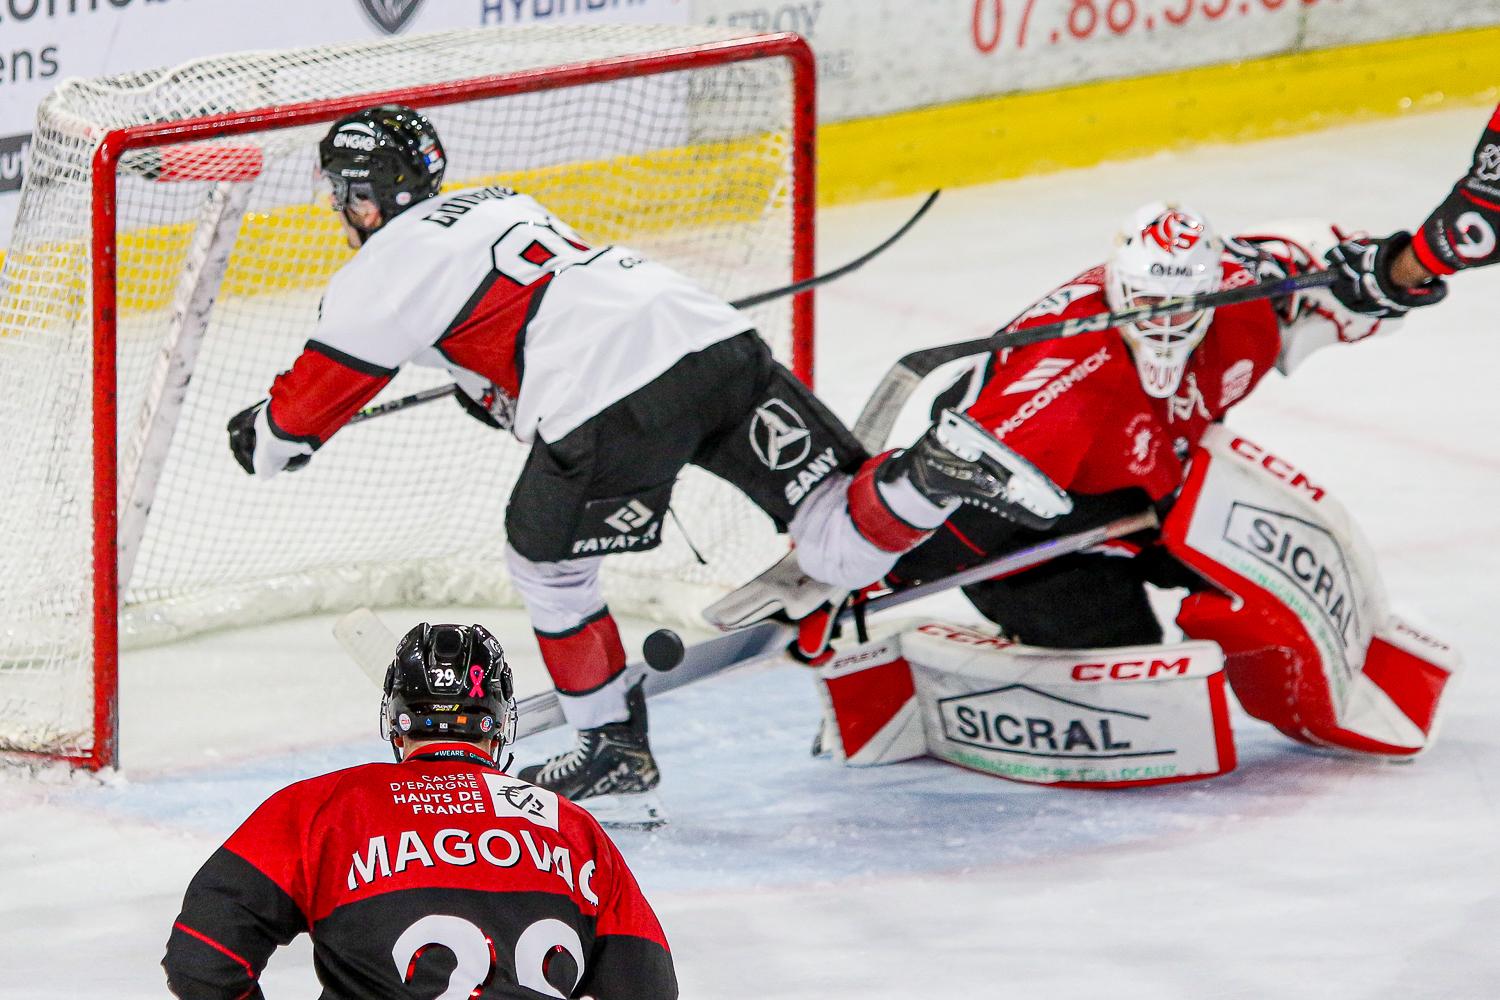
column 1464, row 231
column 488, row 285
column 440, row 875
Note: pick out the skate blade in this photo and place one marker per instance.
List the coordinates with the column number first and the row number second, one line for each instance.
column 630, row 811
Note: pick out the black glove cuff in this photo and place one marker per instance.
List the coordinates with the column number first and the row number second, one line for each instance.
column 1426, row 294
column 474, row 409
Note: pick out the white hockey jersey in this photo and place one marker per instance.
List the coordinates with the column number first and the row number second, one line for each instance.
column 488, row 285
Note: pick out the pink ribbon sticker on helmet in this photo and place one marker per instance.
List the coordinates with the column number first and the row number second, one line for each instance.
column 476, row 677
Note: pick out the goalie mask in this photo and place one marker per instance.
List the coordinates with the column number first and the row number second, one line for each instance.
column 389, row 155
column 449, row 682
column 1163, row 251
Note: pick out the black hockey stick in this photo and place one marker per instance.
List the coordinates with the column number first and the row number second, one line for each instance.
column 879, row 414
column 838, row 272
column 766, row 639
column 796, row 287
column 415, row 399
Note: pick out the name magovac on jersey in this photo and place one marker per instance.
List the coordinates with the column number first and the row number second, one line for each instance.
column 464, row 848
column 450, row 210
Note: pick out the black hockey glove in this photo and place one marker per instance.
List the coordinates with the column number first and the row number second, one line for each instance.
column 495, row 410
column 242, row 437
column 1362, row 278
column 242, row 441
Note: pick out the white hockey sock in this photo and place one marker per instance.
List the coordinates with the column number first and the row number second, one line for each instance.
column 598, row 707
column 911, row 506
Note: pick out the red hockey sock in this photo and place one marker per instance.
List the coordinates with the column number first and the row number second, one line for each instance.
column 874, row 519
column 586, row 657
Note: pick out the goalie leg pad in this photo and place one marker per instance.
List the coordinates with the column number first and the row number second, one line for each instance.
column 1110, row 718
column 869, row 696
column 1278, row 676
column 1092, row 718
column 1312, row 644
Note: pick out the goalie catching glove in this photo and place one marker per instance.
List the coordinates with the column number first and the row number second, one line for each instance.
column 1362, row 278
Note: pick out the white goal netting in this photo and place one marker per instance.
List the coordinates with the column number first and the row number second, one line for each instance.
column 222, row 235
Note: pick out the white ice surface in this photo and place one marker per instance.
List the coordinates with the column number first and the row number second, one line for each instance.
column 1301, row 875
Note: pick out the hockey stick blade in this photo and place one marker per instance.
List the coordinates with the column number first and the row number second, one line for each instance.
column 875, row 421
column 369, row 643
column 796, row 287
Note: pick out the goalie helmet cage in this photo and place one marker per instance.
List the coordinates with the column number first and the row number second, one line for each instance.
column 168, row 253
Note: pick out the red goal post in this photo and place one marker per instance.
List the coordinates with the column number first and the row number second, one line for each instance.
column 225, row 161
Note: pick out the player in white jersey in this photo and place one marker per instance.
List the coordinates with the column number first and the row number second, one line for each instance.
column 617, row 371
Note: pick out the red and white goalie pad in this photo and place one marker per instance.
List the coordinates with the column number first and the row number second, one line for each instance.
column 871, row 700
column 1113, row 718
column 1310, row 643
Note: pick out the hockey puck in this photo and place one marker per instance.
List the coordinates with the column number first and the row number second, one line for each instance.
column 663, row 649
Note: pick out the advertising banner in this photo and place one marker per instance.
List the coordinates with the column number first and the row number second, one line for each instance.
column 874, row 56
column 880, row 56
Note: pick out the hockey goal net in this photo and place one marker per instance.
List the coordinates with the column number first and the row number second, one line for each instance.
column 168, row 261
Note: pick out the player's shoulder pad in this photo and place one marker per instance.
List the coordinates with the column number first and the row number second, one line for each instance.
column 1082, row 295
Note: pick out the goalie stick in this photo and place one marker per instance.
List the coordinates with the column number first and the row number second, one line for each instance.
column 370, row 644
column 879, row 415
column 796, row 287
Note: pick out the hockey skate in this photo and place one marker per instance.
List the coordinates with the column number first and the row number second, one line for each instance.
column 610, row 771
column 957, row 459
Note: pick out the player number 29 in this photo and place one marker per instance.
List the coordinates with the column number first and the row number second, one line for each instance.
column 474, row 951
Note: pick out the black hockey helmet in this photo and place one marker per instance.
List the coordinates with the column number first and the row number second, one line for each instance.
column 388, row 154
column 449, row 682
